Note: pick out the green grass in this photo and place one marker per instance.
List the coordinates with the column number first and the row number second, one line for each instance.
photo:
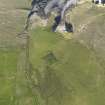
column 13, row 82
column 90, row 27
column 8, row 69
column 14, row 87
column 43, row 44
column 67, row 72
column 76, row 66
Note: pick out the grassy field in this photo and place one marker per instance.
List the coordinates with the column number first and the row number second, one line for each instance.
column 52, row 70
column 76, row 67
column 7, row 76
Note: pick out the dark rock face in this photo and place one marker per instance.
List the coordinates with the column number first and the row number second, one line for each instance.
column 56, row 23
column 43, row 8
column 68, row 27
column 97, row 1
column 103, row 2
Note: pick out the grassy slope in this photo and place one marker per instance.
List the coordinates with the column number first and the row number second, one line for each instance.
column 8, row 69
column 75, row 78
column 12, row 20
column 76, row 66
column 13, row 82
column 90, row 28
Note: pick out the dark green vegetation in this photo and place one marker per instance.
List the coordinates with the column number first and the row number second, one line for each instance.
column 52, row 70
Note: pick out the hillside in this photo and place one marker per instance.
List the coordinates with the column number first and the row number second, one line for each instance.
column 47, row 69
